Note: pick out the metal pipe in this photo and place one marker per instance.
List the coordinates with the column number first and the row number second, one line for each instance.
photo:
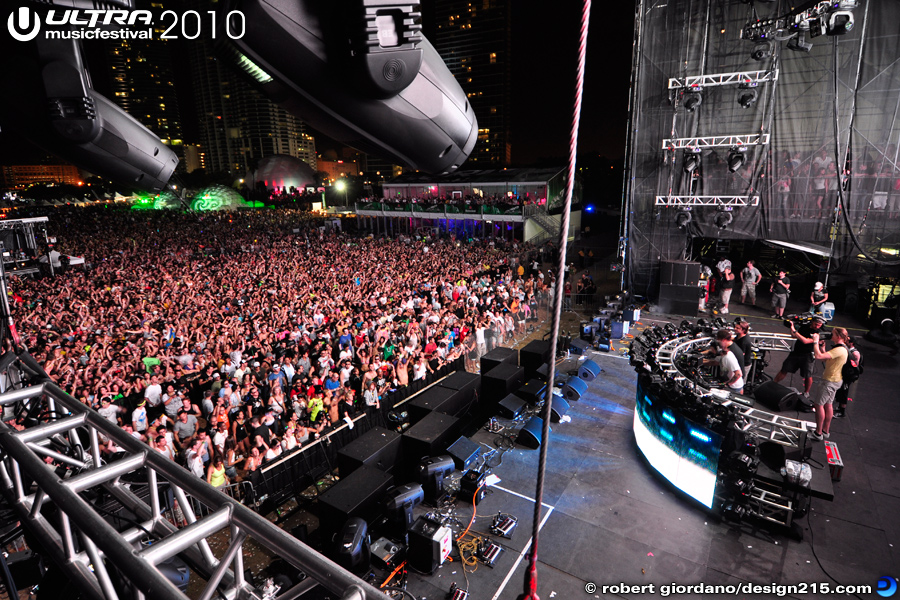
column 234, row 549
column 39, row 498
column 68, row 539
column 187, row 537
column 45, row 430
column 154, row 493
column 188, row 511
column 89, row 479
column 99, row 568
column 238, row 567
column 298, row 590
column 42, row 451
column 22, row 394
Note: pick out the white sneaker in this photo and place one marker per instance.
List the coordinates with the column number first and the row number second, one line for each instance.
column 724, row 311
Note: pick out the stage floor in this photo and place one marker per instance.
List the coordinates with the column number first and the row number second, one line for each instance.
column 607, row 519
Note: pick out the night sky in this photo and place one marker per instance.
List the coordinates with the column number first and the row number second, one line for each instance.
column 545, row 44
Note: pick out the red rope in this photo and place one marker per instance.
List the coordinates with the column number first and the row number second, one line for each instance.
column 530, row 584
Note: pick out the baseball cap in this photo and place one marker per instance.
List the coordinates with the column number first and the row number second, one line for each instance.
column 216, row 375
column 818, row 319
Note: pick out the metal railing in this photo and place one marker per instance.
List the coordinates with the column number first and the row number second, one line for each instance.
column 88, row 548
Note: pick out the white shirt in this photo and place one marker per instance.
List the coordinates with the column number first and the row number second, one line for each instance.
column 729, row 364
column 153, row 394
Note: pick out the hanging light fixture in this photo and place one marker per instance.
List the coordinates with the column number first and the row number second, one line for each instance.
column 683, row 217
column 747, row 95
column 724, row 218
column 691, row 160
column 693, row 99
column 736, row 158
column 761, row 51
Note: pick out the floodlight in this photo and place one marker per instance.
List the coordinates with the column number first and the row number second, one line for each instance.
column 747, row 96
column 724, row 218
column 683, row 217
column 761, row 51
column 839, row 22
column 692, row 100
column 736, row 158
column 798, row 44
column 691, row 160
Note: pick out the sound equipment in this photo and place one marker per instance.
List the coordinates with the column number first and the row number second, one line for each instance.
column 533, row 391
column 499, row 356
column 434, row 398
column 465, row 453
column 378, row 447
column 511, row 407
column 399, row 502
column 679, row 299
column 558, row 409
column 531, row 435
column 468, row 384
column 429, row 545
column 501, row 380
column 543, row 372
column 574, row 389
column 351, row 548
column 679, row 272
column 775, row 396
column 589, row 370
column 632, row 315
column 504, row 525
column 356, row 495
column 472, row 488
column 488, row 553
column 618, row 329
column 579, row 347
column 835, row 463
column 385, row 554
column 432, row 472
column 602, row 344
column 429, row 437
column 533, row 355
column 587, row 330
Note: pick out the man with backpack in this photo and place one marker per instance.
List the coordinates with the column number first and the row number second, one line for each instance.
column 850, row 373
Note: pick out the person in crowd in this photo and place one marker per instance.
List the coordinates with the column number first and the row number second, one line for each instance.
column 780, row 289
column 215, row 473
column 801, row 356
column 750, row 278
column 742, row 341
column 831, row 380
column 818, row 297
column 850, row 373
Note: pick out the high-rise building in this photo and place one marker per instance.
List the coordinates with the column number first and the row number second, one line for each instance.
column 238, row 125
column 474, row 39
column 142, row 83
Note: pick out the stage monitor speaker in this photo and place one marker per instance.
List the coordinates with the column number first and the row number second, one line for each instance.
column 472, row 488
column 775, row 396
column 589, row 370
column 351, row 549
column 579, row 347
column 574, row 389
column 378, row 447
column 356, row 495
column 511, row 407
column 533, row 391
column 499, row 356
column 559, row 408
column 532, row 356
column 465, row 453
column 501, row 380
column 531, row 435
column 679, row 272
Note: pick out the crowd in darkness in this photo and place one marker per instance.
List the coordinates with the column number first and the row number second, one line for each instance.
column 225, row 339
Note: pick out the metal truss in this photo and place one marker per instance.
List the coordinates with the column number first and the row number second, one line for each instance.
column 718, row 79
column 774, row 428
column 707, row 201
column 715, row 141
column 769, row 505
column 93, row 554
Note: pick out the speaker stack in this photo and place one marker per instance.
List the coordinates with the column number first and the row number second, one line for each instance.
column 532, row 356
column 355, row 495
column 775, row 396
column 497, row 357
column 511, row 407
column 679, row 291
column 501, row 380
column 429, row 437
column 378, row 447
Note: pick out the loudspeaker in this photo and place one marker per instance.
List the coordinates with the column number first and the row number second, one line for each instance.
column 775, row 396
column 579, row 347
column 351, row 549
column 356, row 495
column 499, row 356
column 543, row 373
column 511, row 407
column 679, row 272
column 574, row 389
column 429, row 545
column 437, row 399
column 589, row 370
column 533, row 391
column 679, row 299
column 559, row 408
column 464, row 452
column 472, row 487
column 533, row 355
column 378, row 447
column 398, row 505
column 500, row 381
column 468, row 384
column 429, row 437
column 431, row 473
column 531, row 436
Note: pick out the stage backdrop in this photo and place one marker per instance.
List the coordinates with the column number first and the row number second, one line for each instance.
column 829, row 118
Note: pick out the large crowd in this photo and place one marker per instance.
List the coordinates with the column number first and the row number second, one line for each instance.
column 225, row 339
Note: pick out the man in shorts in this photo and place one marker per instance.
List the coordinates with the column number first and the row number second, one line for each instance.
column 780, row 289
column 750, row 278
column 801, row 356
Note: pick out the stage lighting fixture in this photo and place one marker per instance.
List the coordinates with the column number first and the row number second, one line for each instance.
column 724, row 218
column 761, row 51
column 817, row 27
column 691, row 160
column 747, row 96
column 839, row 22
column 736, row 158
column 692, row 100
column 683, row 217
column 798, row 44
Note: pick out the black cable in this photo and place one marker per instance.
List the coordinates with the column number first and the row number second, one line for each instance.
column 812, row 547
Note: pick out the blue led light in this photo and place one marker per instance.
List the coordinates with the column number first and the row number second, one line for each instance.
column 699, row 435
column 648, row 401
column 589, row 208
column 666, row 434
column 668, row 417
column 697, row 455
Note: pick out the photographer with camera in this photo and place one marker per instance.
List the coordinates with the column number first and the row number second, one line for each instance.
column 801, row 355
column 831, row 380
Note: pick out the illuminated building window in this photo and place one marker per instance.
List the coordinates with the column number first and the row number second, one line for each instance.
column 493, row 57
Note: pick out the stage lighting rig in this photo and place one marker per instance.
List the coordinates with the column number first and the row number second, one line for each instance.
column 762, row 51
column 747, row 95
column 736, row 159
column 724, row 217
column 817, row 17
column 691, row 160
column 839, row 22
column 683, row 217
column 693, row 99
